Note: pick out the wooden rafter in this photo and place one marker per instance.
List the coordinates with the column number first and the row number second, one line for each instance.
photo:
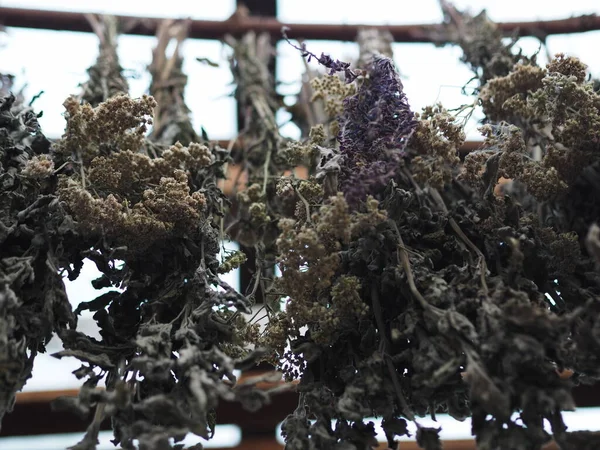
column 239, row 24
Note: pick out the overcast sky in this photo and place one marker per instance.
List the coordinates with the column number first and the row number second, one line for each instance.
column 56, row 61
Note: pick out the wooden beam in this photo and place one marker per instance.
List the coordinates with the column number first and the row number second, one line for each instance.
column 32, row 414
column 238, row 25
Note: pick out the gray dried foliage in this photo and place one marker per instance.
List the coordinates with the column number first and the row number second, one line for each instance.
column 35, row 239
column 414, row 284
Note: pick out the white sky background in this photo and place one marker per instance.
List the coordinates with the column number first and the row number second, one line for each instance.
column 57, row 61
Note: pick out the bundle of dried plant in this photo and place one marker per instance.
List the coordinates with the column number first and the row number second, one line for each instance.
column 35, row 244
column 409, row 285
column 172, row 116
column 106, row 75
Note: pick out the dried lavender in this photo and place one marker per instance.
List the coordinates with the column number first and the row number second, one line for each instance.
column 334, row 65
column 374, row 131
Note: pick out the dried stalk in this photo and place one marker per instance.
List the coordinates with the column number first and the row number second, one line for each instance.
column 106, row 77
column 172, row 116
column 372, row 42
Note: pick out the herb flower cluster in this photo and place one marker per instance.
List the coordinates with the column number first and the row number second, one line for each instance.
column 374, row 129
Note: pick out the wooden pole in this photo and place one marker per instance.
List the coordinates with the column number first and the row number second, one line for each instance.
column 240, row 24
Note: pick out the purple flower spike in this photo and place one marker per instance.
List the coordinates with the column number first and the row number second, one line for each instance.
column 374, row 129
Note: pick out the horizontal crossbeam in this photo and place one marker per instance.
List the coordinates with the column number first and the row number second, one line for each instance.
column 240, row 24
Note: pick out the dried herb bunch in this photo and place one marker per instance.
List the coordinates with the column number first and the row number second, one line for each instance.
column 260, row 159
column 36, row 239
column 106, row 75
column 435, row 295
column 265, row 157
column 169, row 344
column 411, row 284
column 172, row 116
column 484, row 50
